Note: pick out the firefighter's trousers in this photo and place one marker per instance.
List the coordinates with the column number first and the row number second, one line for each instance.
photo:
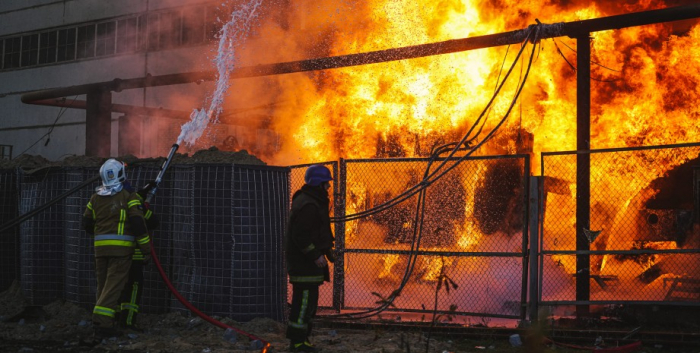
column 112, row 273
column 131, row 295
column 304, row 305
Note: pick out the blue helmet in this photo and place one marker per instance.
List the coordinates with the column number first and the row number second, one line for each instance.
column 317, row 175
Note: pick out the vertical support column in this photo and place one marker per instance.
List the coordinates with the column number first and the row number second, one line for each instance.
column 535, row 218
column 339, row 173
column 583, row 170
column 526, row 232
column 98, row 123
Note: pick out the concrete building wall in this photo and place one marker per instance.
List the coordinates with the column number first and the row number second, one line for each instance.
column 25, row 127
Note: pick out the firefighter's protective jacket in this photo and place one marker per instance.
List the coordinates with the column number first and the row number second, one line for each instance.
column 309, row 236
column 117, row 223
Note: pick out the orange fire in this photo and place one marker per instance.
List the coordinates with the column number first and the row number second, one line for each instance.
column 649, row 72
column 645, row 89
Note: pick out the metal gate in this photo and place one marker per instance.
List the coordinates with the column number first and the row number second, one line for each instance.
column 474, row 232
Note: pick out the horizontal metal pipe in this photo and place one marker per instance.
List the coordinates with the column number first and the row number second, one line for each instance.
column 117, row 108
column 571, row 29
column 117, row 85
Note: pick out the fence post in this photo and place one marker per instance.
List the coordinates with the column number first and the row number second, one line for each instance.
column 534, row 217
column 583, row 171
column 339, row 212
column 527, row 208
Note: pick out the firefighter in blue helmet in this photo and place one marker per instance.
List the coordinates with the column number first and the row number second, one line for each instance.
column 309, row 247
column 114, row 217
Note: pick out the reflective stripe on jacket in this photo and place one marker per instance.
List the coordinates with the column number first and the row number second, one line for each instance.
column 111, row 215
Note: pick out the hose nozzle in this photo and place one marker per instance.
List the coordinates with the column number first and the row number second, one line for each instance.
column 163, row 168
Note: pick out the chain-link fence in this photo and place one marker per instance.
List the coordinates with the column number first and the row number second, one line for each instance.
column 220, row 238
column 222, row 229
column 474, row 228
column 632, row 238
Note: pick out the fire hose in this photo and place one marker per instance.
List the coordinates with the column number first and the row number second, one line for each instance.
column 192, row 308
column 265, row 345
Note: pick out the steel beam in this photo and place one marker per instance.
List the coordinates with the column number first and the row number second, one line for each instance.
column 571, row 29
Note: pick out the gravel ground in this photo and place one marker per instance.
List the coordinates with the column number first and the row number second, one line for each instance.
column 65, row 327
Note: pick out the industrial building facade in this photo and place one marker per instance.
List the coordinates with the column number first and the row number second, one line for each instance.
column 49, row 44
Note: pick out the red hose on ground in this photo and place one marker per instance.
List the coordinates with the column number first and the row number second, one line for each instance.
column 191, row 307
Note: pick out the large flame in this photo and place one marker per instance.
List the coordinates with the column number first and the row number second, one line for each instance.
column 645, row 89
column 640, row 73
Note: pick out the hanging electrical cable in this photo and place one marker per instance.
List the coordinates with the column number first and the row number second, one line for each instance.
column 430, row 177
column 53, row 125
column 574, row 67
column 457, row 147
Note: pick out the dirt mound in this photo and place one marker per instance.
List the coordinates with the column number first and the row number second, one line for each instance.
column 209, row 156
column 215, row 156
column 25, row 161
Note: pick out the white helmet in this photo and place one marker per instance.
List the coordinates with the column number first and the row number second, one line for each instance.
column 112, row 173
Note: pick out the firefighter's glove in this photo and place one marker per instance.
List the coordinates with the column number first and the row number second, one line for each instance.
column 321, row 261
column 330, row 255
column 146, row 259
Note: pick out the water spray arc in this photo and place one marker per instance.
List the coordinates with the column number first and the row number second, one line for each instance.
column 229, row 40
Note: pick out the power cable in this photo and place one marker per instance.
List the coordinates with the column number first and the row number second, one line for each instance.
column 420, row 207
column 457, row 147
column 48, row 204
column 60, row 114
column 575, row 69
column 592, row 61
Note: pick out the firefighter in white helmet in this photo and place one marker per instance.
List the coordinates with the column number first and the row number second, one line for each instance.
column 114, row 216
